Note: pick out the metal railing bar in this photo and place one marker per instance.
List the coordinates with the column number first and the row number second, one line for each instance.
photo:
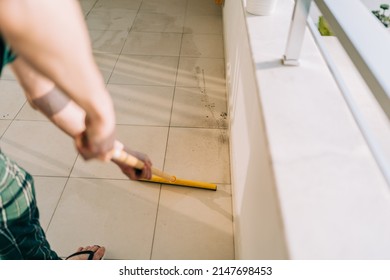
column 354, row 31
column 297, row 32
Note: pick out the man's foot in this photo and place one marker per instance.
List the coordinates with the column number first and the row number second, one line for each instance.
column 88, row 253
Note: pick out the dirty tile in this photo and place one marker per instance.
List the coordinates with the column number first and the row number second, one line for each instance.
column 194, row 224
column 151, row 22
column 117, row 214
column 110, row 19
column 172, row 7
column 12, row 99
column 119, row 4
column 198, row 154
column 142, row 105
column 200, row 107
column 203, row 8
column 39, row 147
column 148, row 43
column 148, row 140
column 145, row 70
column 203, row 24
column 48, row 193
column 202, row 45
column 201, row 72
column 108, row 41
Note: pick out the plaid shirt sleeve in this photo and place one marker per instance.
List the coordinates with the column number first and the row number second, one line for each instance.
column 16, row 190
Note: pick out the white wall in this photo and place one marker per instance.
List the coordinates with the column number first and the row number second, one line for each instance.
column 374, row 4
column 257, row 220
column 305, row 185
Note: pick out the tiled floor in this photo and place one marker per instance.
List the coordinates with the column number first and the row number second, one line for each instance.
column 163, row 63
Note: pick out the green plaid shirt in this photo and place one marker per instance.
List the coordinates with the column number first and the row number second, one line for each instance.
column 16, row 190
column 6, row 54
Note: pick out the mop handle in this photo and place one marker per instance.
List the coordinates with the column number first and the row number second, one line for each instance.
column 126, row 158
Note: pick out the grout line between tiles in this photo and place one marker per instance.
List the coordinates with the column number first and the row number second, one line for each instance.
column 93, row 6
column 123, row 46
column 167, row 141
column 63, row 190
column 30, row 120
column 147, row 55
column 166, row 145
column 5, row 130
column 155, row 222
column 20, row 109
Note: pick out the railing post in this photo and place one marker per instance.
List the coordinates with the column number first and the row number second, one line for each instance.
column 297, row 32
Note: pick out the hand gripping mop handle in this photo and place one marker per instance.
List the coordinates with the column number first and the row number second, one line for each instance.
column 126, row 158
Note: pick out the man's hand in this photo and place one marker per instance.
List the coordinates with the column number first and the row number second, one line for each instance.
column 133, row 173
column 96, row 141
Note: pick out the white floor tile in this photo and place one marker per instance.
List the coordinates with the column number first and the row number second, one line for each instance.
column 48, row 192
column 151, row 22
column 4, row 124
column 203, row 8
column 117, row 214
column 201, row 72
column 145, row 70
column 108, row 41
column 198, row 154
column 12, row 99
column 142, row 105
column 110, row 19
column 27, row 113
column 170, row 7
column 7, row 74
column 119, row 4
column 39, row 147
column 195, row 107
column 194, row 224
column 202, row 45
column 148, row 43
column 203, row 25
column 86, row 5
column 106, row 63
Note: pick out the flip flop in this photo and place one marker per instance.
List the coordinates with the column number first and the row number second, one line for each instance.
column 90, row 254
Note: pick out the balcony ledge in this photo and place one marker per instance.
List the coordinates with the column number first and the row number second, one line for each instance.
column 332, row 199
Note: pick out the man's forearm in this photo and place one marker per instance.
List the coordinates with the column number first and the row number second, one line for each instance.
column 62, row 111
column 44, row 96
column 57, row 45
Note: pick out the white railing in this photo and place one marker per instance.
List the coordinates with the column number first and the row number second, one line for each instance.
column 367, row 44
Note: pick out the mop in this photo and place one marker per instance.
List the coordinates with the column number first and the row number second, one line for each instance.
column 158, row 175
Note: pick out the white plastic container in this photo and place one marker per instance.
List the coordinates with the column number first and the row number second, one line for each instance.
column 260, row 7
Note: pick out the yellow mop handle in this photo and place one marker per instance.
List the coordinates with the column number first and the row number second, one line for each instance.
column 158, row 175
column 182, row 182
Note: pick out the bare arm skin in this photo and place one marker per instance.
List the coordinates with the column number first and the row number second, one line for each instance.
column 64, row 113
column 52, row 38
column 44, row 96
